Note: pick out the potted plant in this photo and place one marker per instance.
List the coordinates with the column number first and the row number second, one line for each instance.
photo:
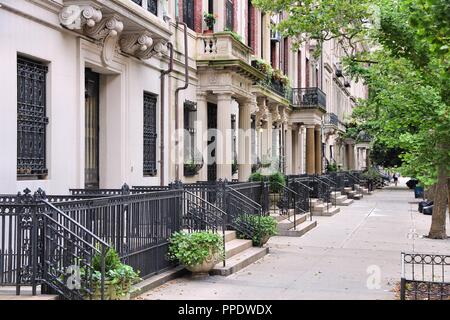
column 210, row 20
column 263, row 227
column 118, row 279
column 199, row 252
column 193, row 165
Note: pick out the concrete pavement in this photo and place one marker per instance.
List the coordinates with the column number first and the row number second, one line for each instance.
column 352, row 255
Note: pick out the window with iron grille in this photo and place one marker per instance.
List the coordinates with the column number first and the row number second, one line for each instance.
column 230, row 14
column 190, row 115
column 31, row 118
column 152, row 6
column 138, row 2
column 189, row 13
column 150, row 134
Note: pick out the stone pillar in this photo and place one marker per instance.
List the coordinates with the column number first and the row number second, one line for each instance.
column 288, row 150
column 318, row 150
column 302, row 149
column 310, row 151
column 351, row 157
column 223, row 138
column 267, row 139
column 244, row 140
column 202, row 133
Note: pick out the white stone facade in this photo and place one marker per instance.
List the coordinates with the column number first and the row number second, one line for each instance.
column 129, row 48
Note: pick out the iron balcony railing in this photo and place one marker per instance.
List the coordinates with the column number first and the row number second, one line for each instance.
column 331, row 119
column 309, row 98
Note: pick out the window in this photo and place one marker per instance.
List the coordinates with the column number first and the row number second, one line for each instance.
column 299, row 68
column 308, row 70
column 250, row 22
column 152, row 6
column 211, row 6
column 150, row 134
column 31, row 118
column 229, row 7
column 286, row 56
column 190, row 115
column 189, row 13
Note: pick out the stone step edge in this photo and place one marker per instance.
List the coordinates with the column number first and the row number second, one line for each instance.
column 236, row 263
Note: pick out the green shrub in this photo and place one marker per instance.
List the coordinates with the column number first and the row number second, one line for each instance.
column 332, row 167
column 117, row 274
column 265, row 226
column 276, row 181
column 256, row 177
column 191, row 249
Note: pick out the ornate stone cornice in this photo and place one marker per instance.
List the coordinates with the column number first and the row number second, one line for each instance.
column 75, row 17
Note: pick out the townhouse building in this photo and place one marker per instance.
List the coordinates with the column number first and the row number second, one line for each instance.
column 101, row 92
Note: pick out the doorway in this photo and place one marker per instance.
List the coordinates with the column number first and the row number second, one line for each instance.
column 212, row 124
column 92, row 102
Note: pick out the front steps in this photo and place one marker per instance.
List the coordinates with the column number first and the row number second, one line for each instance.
column 338, row 199
column 319, row 208
column 9, row 293
column 239, row 254
column 353, row 194
column 286, row 225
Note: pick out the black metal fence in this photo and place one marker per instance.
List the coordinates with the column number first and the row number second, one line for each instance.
column 425, row 277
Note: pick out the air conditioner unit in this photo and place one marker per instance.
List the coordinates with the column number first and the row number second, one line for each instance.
column 346, row 83
column 275, row 36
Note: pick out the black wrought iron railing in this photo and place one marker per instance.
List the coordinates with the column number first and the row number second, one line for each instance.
column 68, row 251
column 331, row 119
column 309, row 98
column 425, row 277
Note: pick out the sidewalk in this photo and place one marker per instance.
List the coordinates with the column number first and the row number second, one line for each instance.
column 352, row 255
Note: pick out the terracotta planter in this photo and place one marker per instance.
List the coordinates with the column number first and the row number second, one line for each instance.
column 209, row 31
column 110, row 293
column 274, row 198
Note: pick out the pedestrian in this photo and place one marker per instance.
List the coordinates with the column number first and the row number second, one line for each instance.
column 395, row 178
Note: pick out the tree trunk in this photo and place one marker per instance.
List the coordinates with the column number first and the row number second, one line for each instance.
column 440, row 196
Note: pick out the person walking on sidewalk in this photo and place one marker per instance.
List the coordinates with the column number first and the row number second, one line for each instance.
column 396, row 178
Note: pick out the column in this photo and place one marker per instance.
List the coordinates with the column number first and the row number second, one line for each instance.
column 310, row 151
column 288, row 150
column 223, row 137
column 267, row 139
column 302, row 149
column 318, row 150
column 351, row 157
column 202, row 133
column 244, row 140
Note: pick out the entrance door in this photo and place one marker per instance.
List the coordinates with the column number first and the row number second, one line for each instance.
column 212, row 124
column 91, row 171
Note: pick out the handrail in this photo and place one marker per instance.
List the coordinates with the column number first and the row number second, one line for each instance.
column 255, row 204
column 297, row 180
column 323, row 177
column 223, row 218
column 77, row 223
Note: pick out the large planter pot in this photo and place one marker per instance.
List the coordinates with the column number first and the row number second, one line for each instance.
column 209, row 31
column 264, row 239
column 109, row 293
column 205, row 267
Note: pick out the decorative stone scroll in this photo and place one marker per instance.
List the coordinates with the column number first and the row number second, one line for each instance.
column 108, row 31
column 75, row 17
column 137, row 44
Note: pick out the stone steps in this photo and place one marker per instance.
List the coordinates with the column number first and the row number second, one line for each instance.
column 289, row 223
column 345, row 203
column 321, row 210
column 239, row 254
column 300, row 229
column 9, row 293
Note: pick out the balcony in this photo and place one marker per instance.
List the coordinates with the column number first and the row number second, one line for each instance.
column 331, row 119
column 309, row 98
column 225, row 50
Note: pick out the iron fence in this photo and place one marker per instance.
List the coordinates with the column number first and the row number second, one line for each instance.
column 425, row 277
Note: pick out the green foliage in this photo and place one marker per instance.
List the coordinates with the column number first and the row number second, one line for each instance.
column 385, row 156
column 210, row 19
column 276, row 182
column 234, row 34
column 332, row 167
column 194, row 248
column 371, row 174
column 117, row 274
column 256, row 177
column 264, row 227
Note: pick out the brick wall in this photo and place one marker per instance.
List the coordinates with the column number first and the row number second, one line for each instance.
column 198, row 16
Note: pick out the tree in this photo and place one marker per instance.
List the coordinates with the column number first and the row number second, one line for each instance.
column 407, row 72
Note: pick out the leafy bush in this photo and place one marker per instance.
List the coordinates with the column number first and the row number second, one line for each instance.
column 264, row 227
column 256, row 177
column 194, row 248
column 276, row 182
column 117, row 274
column 332, row 167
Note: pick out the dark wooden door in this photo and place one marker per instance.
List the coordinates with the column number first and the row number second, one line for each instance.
column 212, row 124
column 92, row 100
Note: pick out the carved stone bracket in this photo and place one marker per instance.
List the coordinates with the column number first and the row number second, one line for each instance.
column 108, row 31
column 137, row 44
column 75, row 17
column 276, row 116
